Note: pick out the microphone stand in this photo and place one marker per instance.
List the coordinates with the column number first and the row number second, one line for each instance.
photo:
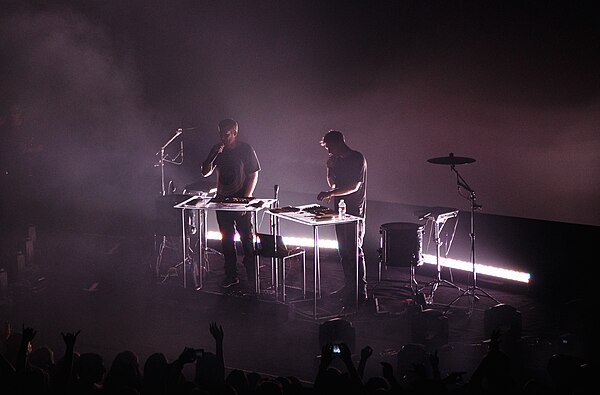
column 164, row 159
column 178, row 160
column 275, row 261
column 471, row 290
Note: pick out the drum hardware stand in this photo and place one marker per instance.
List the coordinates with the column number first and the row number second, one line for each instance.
column 470, row 291
column 438, row 222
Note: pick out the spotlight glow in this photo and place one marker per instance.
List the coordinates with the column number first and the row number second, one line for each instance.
column 427, row 258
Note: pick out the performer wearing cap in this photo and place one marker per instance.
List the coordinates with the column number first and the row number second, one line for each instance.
column 347, row 179
column 237, row 170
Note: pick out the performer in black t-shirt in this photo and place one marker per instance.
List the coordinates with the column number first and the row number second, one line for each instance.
column 237, row 170
column 347, row 178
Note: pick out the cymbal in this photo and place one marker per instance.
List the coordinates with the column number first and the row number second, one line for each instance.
column 451, row 160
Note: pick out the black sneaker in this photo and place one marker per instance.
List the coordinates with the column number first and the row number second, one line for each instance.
column 229, row 281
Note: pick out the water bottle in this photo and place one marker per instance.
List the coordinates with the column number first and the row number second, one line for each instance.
column 342, row 209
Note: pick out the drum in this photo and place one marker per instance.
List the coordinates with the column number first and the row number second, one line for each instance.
column 401, row 244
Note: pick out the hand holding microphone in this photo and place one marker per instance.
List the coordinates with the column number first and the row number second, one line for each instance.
column 208, row 164
column 216, row 150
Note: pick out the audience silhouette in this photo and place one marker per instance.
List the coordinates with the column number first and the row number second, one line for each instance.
column 28, row 370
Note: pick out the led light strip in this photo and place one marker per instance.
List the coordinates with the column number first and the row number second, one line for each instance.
column 481, row 269
column 427, row 258
column 293, row 241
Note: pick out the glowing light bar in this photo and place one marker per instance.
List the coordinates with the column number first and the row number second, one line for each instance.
column 481, row 269
column 309, row 242
column 293, row 241
column 427, row 258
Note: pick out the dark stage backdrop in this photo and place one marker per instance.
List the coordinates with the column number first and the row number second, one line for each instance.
column 102, row 85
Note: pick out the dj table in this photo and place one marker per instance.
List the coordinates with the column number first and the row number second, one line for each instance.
column 203, row 204
column 317, row 216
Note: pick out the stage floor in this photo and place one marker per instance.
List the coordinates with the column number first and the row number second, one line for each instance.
column 104, row 286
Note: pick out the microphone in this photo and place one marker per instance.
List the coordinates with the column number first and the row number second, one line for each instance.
column 181, row 130
column 216, row 153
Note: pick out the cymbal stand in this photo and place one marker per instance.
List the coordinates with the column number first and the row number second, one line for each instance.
column 438, row 224
column 471, row 290
column 164, row 158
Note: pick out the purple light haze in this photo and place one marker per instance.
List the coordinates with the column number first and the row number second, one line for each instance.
column 516, row 88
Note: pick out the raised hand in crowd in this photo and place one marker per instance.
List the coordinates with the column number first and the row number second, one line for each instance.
column 188, row 355
column 66, row 373
column 324, row 380
column 210, row 368
column 346, row 357
column 70, row 338
column 27, row 336
column 365, row 354
column 330, row 379
column 217, row 333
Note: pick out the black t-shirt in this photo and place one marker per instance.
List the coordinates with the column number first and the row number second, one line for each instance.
column 233, row 165
column 346, row 171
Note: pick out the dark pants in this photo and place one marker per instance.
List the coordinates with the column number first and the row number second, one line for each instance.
column 229, row 221
column 346, row 238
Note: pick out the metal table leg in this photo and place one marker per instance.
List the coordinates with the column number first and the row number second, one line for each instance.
column 316, row 268
column 184, row 248
column 357, row 262
column 256, row 258
column 201, row 229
